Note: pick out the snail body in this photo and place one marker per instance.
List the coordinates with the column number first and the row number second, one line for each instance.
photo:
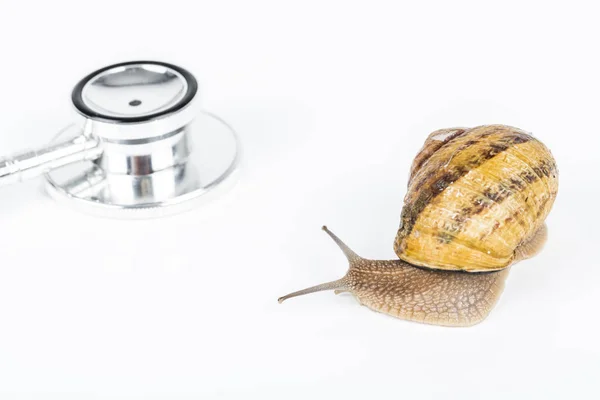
column 476, row 204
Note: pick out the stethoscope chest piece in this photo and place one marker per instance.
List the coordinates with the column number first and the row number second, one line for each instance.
column 140, row 147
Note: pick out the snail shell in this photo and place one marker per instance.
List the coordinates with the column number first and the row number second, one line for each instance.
column 474, row 196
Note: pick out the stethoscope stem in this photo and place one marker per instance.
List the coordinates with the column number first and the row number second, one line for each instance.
column 32, row 163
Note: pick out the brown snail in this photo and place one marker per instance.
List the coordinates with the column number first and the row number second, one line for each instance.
column 476, row 204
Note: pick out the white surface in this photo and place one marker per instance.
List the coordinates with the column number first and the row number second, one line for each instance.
column 332, row 100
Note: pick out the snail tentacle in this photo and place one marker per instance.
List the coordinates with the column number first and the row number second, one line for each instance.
column 340, row 284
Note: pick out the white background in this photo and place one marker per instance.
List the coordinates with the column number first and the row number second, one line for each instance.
column 331, row 100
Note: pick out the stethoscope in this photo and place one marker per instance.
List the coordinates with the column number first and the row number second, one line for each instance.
column 139, row 146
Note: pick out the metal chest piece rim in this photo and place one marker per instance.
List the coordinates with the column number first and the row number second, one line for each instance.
column 145, row 148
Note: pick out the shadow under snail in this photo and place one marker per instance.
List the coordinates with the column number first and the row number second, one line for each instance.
column 476, row 204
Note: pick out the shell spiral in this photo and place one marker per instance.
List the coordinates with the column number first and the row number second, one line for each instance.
column 475, row 195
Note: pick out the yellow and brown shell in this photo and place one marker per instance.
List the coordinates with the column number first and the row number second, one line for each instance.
column 474, row 195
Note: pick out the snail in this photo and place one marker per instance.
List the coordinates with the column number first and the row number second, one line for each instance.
column 476, row 204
